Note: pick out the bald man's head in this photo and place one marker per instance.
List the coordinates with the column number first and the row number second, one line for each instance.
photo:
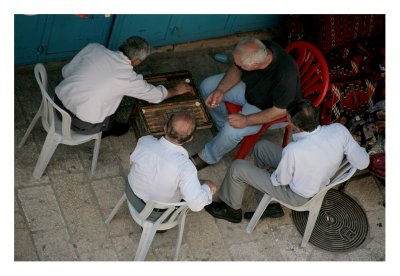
column 180, row 127
column 250, row 51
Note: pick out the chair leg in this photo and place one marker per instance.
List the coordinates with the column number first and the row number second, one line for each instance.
column 258, row 213
column 181, row 226
column 149, row 230
column 32, row 124
column 312, row 218
column 49, row 146
column 115, row 210
column 95, row 154
column 286, row 136
column 246, row 146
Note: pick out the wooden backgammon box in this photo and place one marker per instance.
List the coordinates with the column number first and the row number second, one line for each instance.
column 147, row 118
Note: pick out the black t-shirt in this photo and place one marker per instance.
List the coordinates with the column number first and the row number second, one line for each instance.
column 277, row 85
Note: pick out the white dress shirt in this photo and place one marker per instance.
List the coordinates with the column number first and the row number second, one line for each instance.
column 96, row 80
column 312, row 158
column 162, row 171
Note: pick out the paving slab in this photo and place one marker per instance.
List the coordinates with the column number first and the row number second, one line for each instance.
column 80, row 209
column 24, row 249
column 41, row 208
column 54, row 245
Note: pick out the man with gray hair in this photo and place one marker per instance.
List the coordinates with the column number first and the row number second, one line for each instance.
column 96, row 80
column 161, row 169
column 264, row 79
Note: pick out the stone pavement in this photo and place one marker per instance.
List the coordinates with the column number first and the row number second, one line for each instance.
column 60, row 217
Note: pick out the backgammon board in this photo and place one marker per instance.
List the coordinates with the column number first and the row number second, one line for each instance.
column 147, row 118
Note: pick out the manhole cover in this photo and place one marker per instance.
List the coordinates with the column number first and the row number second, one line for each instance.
column 341, row 225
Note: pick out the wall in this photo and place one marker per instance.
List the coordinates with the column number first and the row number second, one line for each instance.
column 41, row 38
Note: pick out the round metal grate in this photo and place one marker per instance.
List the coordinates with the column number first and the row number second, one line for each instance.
column 341, row 225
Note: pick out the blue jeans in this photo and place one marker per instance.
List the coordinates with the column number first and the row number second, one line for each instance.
column 228, row 137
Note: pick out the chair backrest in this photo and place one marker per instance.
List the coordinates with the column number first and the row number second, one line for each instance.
column 168, row 219
column 314, row 74
column 49, row 118
column 343, row 173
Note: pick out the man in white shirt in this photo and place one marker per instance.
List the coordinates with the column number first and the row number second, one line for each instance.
column 303, row 167
column 161, row 169
column 96, row 80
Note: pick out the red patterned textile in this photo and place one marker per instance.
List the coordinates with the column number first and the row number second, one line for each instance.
column 332, row 31
column 354, row 48
column 347, row 99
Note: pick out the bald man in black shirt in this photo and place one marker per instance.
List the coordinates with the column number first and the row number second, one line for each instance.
column 264, row 79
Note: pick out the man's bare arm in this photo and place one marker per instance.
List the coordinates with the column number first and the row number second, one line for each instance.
column 230, row 79
column 239, row 121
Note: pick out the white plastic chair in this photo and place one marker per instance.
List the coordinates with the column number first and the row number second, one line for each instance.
column 174, row 214
column 58, row 132
column 313, row 206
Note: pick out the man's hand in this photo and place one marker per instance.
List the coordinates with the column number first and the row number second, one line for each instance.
column 237, row 120
column 212, row 185
column 179, row 89
column 214, row 99
column 268, row 169
column 182, row 88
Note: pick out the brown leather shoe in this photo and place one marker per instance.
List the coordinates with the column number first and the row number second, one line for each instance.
column 198, row 162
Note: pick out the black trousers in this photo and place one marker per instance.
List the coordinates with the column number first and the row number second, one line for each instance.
column 139, row 204
column 83, row 127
